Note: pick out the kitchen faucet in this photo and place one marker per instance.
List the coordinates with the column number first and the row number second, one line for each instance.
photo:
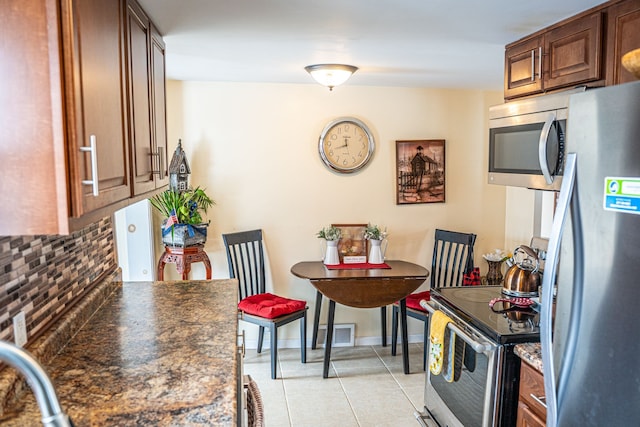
column 25, row 363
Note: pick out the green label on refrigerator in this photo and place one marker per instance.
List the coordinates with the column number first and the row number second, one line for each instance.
column 622, row 194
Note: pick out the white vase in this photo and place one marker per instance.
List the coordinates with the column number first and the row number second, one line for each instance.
column 331, row 253
column 376, row 252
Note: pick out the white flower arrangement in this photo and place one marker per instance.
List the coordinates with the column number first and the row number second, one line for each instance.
column 329, row 233
column 373, row 232
column 498, row 255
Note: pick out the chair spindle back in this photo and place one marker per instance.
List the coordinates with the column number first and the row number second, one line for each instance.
column 452, row 258
column 245, row 256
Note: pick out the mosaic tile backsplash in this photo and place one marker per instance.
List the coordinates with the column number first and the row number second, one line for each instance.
column 41, row 275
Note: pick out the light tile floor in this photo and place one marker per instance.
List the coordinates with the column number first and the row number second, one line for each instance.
column 366, row 387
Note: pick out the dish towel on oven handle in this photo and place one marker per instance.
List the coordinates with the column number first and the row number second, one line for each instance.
column 446, row 351
column 453, row 356
column 438, row 325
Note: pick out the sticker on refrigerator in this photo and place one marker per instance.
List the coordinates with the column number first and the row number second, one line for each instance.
column 622, row 194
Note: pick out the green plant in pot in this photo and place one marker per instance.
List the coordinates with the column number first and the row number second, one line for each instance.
column 331, row 233
column 373, row 232
column 183, row 224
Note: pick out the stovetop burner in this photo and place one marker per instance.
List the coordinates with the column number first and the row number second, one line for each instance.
column 473, row 294
column 471, row 304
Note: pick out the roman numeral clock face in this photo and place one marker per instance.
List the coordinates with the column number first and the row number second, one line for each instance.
column 346, row 145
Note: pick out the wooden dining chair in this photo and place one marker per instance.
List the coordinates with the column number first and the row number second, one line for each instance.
column 245, row 256
column 452, row 258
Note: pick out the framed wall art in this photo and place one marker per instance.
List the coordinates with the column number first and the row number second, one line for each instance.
column 352, row 242
column 420, row 173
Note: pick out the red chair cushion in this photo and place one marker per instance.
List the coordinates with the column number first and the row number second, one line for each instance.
column 413, row 300
column 270, row 306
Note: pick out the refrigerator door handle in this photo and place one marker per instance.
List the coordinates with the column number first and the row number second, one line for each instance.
column 546, row 326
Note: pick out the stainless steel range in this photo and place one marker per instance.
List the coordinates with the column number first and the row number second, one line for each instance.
column 486, row 394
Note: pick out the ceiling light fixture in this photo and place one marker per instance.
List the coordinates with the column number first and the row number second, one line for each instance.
column 331, row 75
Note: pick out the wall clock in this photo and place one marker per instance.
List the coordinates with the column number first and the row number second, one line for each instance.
column 346, row 145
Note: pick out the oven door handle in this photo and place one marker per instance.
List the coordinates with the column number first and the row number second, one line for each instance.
column 479, row 347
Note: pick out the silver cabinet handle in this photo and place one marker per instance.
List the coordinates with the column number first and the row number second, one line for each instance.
column 161, row 162
column 542, row 148
column 540, row 62
column 539, row 399
column 94, row 165
column 242, row 346
column 160, row 171
column 533, row 65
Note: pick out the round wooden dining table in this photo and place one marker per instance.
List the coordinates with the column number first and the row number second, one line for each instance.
column 362, row 288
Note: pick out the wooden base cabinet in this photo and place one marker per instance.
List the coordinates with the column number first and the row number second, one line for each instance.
column 531, row 404
column 65, row 140
column 526, row 417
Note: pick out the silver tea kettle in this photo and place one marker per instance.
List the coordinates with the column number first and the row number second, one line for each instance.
column 522, row 279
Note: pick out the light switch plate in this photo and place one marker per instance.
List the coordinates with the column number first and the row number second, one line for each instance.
column 20, row 329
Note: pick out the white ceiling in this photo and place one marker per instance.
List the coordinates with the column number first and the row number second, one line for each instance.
column 410, row 43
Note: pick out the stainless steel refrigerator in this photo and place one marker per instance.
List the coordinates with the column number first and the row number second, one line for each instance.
column 591, row 351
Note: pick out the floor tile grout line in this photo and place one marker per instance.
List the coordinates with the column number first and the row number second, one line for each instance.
column 396, row 380
column 380, row 355
column 344, row 391
column 286, row 395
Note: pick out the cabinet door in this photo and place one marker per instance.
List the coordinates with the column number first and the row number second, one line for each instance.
column 139, row 85
column 622, row 36
column 161, row 171
column 96, row 103
column 526, row 418
column 532, row 390
column 33, row 188
column 522, row 68
column 573, row 52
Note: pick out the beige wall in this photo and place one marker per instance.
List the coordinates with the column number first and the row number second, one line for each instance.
column 254, row 148
column 528, row 213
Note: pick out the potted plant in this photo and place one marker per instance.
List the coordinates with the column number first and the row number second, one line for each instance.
column 183, row 224
column 373, row 232
column 331, row 235
column 375, row 235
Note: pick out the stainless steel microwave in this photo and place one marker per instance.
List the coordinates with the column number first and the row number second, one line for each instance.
column 527, row 140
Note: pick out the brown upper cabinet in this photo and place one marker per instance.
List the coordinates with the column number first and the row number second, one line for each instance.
column 581, row 50
column 146, row 95
column 523, row 68
column 159, row 97
column 563, row 56
column 66, row 116
column 623, row 35
column 95, row 104
column 574, row 52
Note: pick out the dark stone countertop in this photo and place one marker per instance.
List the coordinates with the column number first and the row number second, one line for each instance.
column 530, row 353
column 161, row 353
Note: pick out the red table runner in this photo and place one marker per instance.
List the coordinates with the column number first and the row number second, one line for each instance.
column 358, row 266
